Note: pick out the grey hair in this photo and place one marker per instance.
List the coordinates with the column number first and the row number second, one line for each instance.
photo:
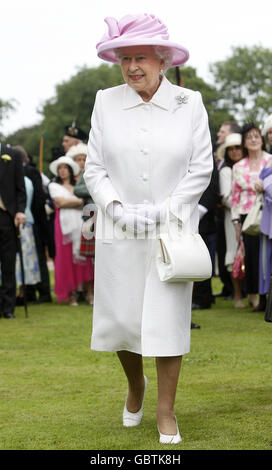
column 161, row 52
column 165, row 54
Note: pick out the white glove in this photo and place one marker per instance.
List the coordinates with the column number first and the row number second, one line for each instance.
column 134, row 222
column 151, row 211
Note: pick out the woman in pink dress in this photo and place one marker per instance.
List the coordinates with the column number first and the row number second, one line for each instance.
column 71, row 269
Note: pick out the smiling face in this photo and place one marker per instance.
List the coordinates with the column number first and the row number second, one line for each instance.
column 253, row 140
column 141, row 69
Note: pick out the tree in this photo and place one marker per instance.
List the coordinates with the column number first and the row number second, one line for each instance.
column 5, row 108
column 210, row 96
column 74, row 100
column 244, row 83
column 29, row 138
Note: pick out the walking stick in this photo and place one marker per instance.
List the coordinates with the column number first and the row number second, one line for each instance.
column 178, row 77
column 22, row 268
column 42, row 139
column 41, row 154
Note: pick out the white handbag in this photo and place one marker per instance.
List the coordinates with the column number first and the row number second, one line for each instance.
column 252, row 222
column 181, row 256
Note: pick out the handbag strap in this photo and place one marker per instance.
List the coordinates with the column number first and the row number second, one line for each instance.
column 168, row 215
column 183, row 229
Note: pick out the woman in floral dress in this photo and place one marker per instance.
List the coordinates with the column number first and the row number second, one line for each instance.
column 245, row 175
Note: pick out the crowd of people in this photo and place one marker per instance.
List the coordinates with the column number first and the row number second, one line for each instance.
column 53, row 221
column 243, row 159
column 41, row 219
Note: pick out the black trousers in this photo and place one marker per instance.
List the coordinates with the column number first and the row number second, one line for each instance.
column 252, row 248
column 202, row 290
column 8, row 247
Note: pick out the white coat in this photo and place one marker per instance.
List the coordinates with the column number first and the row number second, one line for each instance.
column 144, row 151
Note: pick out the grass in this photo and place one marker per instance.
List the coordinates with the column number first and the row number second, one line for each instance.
column 56, row 394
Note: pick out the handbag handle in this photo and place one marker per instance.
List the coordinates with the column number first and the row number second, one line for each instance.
column 180, row 229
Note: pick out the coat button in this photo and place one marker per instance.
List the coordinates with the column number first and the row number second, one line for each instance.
column 145, row 151
column 145, row 177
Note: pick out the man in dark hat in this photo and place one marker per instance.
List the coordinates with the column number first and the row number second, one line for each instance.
column 12, row 207
column 73, row 135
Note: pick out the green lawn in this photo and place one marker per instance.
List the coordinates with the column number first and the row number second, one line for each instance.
column 57, row 394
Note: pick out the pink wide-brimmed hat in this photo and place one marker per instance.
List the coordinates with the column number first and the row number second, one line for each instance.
column 134, row 30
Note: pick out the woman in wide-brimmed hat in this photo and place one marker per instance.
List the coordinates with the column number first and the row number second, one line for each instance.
column 149, row 142
column 233, row 153
column 71, row 269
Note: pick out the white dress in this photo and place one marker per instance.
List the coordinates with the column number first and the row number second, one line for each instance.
column 144, row 152
column 225, row 181
column 29, row 251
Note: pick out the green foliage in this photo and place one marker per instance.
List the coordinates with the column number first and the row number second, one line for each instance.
column 210, row 96
column 242, row 90
column 5, row 108
column 244, row 82
column 29, row 138
column 74, row 100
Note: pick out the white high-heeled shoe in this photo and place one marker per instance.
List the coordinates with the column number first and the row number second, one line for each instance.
column 134, row 419
column 170, row 438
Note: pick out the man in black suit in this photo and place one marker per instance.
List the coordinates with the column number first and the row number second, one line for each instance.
column 12, row 207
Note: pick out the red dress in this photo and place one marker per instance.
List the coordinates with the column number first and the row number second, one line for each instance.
column 68, row 274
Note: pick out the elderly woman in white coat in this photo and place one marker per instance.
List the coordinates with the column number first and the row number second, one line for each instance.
column 149, row 141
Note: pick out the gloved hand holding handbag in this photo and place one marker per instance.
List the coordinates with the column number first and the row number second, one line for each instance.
column 132, row 221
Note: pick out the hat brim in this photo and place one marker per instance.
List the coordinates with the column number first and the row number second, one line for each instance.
column 53, row 167
column 232, row 140
column 106, row 50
